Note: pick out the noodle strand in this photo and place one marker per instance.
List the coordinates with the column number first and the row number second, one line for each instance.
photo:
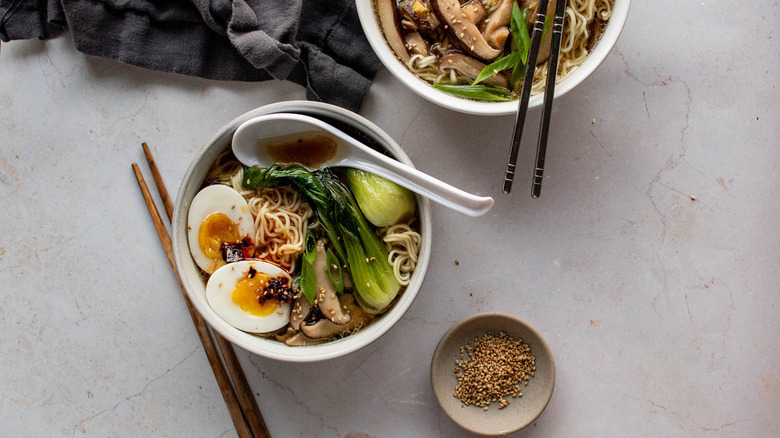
column 403, row 246
column 281, row 221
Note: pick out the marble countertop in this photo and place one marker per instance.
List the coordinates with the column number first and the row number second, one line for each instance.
column 650, row 263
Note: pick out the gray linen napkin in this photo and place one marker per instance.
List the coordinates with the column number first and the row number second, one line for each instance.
column 316, row 43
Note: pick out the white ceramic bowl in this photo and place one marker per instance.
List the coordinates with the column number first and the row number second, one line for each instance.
column 369, row 21
column 190, row 275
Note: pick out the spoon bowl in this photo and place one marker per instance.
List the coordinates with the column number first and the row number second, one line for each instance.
column 288, row 138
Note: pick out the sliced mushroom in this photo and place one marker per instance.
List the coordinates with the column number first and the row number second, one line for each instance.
column 284, row 334
column 326, row 298
column 416, row 44
column 324, row 328
column 293, row 337
column 475, row 11
column 496, row 28
column 527, row 4
column 596, row 28
column 462, row 30
column 300, row 309
column 417, row 16
column 389, row 21
column 470, row 67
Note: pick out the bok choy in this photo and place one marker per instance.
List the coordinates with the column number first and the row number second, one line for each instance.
column 354, row 241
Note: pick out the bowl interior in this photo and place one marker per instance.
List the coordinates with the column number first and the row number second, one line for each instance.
column 375, row 37
column 350, row 123
column 521, row 411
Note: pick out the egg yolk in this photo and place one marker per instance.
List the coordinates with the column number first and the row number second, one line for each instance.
column 216, row 229
column 247, row 296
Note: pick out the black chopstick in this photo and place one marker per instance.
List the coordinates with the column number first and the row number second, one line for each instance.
column 549, row 95
column 525, row 94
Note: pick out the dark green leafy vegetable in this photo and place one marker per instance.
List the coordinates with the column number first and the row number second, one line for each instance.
column 516, row 60
column 478, row 92
column 308, row 280
column 522, row 41
column 519, row 32
column 335, row 272
column 352, row 237
column 508, row 61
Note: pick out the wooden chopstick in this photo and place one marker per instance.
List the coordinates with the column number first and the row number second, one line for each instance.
column 158, row 182
column 549, row 95
column 243, row 391
column 525, row 94
column 200, row 325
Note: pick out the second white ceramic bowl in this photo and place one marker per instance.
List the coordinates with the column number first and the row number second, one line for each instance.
column 370, row 23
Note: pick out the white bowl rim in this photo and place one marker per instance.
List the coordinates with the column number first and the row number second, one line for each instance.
column 592, row 62
column 190, row 275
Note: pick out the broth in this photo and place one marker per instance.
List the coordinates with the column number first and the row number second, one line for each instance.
column 309, row 149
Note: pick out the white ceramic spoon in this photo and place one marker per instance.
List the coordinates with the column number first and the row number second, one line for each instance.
column 350, row 153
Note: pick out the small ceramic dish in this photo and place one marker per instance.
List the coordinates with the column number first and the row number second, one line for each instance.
column 521, row 411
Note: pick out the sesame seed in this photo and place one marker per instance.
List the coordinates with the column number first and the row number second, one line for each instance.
column 491, row 368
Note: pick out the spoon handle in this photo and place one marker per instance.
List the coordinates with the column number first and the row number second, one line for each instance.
column 419, row 182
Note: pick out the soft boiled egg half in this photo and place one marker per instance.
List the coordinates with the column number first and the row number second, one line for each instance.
column 218, row 215
column 235, row 293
